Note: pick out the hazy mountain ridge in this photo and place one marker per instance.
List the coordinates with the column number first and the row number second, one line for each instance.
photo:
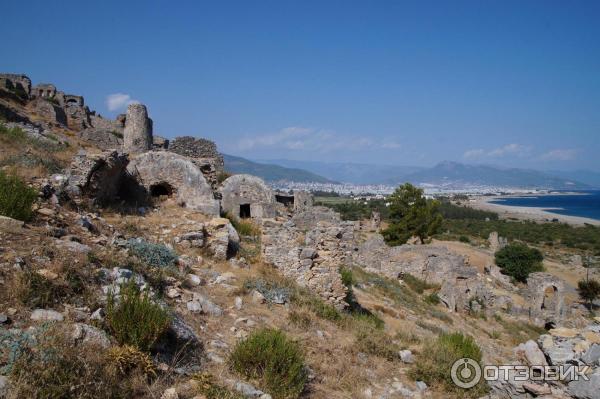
column 271, row 172
column 445, row 173
column 349, row 172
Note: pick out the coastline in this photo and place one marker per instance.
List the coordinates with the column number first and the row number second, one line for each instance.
column 536, row 214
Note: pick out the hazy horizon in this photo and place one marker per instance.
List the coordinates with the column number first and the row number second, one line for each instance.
column 399, row 83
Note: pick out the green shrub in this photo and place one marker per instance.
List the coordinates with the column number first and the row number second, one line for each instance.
column 273, row 360
column 434, row 365
column 245, row 228
column 589, row 290
column 432, row 298
column 16, row 198
column 135, row 319
column 54, row 368
column 375, row 342
column 156, row 255
column 416, row 284
column 464, row 239
column 518, row 261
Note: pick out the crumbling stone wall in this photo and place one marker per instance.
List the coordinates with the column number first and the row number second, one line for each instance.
column 303, row 200
column 198, row 148
column 313, row 259
column 15, row 83
column 545, row 296
column 137, row 135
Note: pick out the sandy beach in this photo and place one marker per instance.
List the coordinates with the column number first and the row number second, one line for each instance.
column 526, row 212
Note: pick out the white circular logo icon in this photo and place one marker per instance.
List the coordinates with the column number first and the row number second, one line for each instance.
column 465, row 373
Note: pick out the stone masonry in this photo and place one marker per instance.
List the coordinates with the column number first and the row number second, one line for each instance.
column 137, row 136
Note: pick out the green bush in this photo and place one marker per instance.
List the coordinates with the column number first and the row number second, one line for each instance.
column 245, row 228
column 270, row 358
column 16, row 198
column 434, row 365
column 416, row 284
column 52, row 367
column 589, row 290
column 518, row 261
column 464, row 239
column 433, row 298
column 156, row 255
column 135, row 319
column 375, row 342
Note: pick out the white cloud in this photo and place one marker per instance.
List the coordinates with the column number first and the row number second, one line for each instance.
column 509, row 149
column 117, row 101
column 559, row 154
column 500, row 152
column 298, row 138
column 474, row 153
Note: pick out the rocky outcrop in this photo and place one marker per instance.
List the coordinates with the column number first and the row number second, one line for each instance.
column 97, row 177
column 165, row 173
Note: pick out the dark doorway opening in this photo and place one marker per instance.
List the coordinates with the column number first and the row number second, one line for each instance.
column 245, row 211
column 287, row 200
column 161, row 189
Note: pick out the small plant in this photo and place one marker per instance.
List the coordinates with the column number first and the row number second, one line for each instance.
column 432, row 298
column 222, row 176
column 276, row 362
column 376, row 342
column 16, row 198
column 434, row 366
column 245, row 228
column 300, row 318
column 518, row 261
column 156, row 255
column 206, row 386
column 55, row 368
column 126, row 359
column 464, row 239
column 589, row 291
column 416, row 284
column 135, row 319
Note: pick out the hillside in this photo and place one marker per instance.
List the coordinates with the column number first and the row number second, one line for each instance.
column 271, row 172
column 454, row 174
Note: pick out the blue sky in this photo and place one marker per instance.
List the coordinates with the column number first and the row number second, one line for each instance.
column 512, row 83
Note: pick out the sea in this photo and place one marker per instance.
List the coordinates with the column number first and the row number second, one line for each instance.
column 580, row 203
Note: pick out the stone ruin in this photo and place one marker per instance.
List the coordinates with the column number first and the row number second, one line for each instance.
column 545, row 298
column 496, row 242
column 247, row 196
column 201, row 150
column 15, row 83
column 137, row 134
column 375, row 221
column 162, row 173
column 313, row 259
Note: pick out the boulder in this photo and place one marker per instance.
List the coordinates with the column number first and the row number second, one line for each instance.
column 8, row 225
column 46, row 315
column 582, row 389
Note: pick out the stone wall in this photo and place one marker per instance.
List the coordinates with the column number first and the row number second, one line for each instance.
column 137, row 135
column 312, row 259
column 199, row 148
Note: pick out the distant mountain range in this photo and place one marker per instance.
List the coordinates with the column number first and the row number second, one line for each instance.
column 271, row 172
column 356, row 173
column 445, row 174
column 457, row 174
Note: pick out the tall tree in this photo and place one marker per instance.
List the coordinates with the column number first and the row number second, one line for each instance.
column 411, row 214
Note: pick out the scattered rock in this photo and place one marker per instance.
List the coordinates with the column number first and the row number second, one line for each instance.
column 87, row 334
column 9, row 224
column 406, row 356
column 170, row 393
column 532, row 353
column 238, row 303
column 46, row 315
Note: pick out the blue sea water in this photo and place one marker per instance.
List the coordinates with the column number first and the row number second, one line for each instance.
column 584, row 204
